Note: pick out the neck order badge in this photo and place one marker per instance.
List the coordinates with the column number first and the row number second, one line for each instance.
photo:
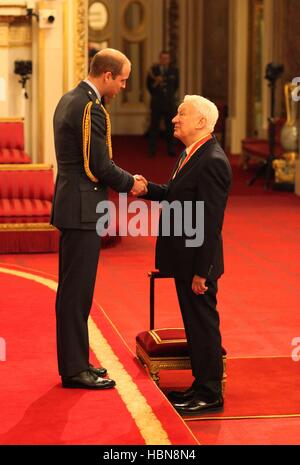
column 185, row 158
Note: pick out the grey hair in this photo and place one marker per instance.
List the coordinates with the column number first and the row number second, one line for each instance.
column 206, row 108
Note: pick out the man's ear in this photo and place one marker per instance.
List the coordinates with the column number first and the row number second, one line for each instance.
column 201, row 122
column 107, row 76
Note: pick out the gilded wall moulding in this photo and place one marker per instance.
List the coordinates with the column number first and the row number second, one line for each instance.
column 20, row 35
column 14, row 31
column 80, row 42
column 6, row 19
column 12, row 9
column 4, row 35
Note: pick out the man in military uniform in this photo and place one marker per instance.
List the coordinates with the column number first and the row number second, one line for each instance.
column 85, row 171
column 162, row 83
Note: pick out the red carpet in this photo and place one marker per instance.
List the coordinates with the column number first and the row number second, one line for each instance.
column 278, row 431
column 36, row 410
column 270, row 386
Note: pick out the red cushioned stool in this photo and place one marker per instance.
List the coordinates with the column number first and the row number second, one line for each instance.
column 164, row 348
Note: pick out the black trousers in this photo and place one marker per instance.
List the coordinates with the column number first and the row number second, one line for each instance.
column 201, row 322
column 78, row 260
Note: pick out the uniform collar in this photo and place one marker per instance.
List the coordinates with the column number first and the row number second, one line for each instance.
column 93, row 87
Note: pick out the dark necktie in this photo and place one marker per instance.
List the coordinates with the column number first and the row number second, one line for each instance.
column 181, row 160
column 182, row 157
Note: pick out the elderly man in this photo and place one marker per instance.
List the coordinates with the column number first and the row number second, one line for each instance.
column 85, row 171
column 202, row 173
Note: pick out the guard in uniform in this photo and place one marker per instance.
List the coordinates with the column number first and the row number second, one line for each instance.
column 162, row 83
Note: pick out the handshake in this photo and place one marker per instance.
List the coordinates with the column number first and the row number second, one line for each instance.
column 140, row 185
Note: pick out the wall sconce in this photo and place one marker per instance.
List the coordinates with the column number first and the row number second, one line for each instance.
column 31, row 14
column 45, row 17
column 23, row 69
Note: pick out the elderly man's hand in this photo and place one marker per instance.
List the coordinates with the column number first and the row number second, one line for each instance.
column 198, row 285
column 140, row 185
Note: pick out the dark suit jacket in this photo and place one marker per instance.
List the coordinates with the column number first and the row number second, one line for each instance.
column 76, row 196
column 205, row 177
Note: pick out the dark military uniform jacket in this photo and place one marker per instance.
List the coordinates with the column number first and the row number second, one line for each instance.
column 163, row 90
column 76, row 195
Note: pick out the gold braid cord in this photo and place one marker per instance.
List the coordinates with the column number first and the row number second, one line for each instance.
column 108, row 132
column 86, row 138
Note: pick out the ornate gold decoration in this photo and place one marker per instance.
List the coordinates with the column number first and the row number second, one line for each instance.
column 108, row 132
column 155, row 364
column 80, row 40
column 285, row 167
column 41, row 93
column 28, row 227
column 25, row 167
column 17, row 119
column 98, row 17
column 86, row 138
column 14, row 30
column 158, row 340
column 291, row 109
column 139, row 33
column 19, row 34
column 86, row 141
column 4, row 35
column 100, row 38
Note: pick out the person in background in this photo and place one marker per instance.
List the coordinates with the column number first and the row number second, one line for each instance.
column 162, row 83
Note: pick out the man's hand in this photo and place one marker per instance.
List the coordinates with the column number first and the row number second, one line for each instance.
column 140, row 185
column 198, row 285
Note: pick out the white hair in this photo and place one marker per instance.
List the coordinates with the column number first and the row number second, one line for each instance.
column 206, row 108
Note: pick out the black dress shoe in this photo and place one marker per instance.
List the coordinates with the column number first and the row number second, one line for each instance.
column 98, row 371
column 197, row 406
column 87, row 380
column 181, row 396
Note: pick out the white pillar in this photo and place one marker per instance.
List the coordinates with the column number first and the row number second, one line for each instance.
column 50, row 72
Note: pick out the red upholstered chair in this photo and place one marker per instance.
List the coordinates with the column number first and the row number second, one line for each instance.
column 164, row 348
column 12, row 141
column 254, row 148
column 26, row 193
